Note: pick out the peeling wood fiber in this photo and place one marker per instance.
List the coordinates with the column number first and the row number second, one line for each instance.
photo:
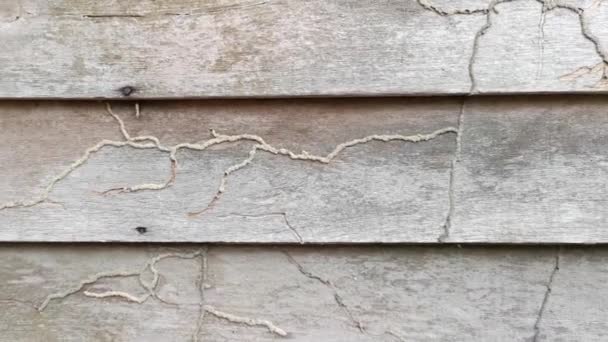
column 221, row 293
column 74, row 49
column 454, row 170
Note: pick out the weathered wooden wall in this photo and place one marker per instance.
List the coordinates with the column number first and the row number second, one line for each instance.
column 226, row 48
column 456, row 170
column 503, row 170
column 377, row 293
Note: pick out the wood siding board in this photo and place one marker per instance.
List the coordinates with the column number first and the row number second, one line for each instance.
column 368, row 193
column 196, row 49
column 532, row 171
column 393, row 293
column 522, row 170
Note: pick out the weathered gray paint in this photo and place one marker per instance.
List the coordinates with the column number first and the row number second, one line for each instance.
column 195, row 48
column 393, row 293
column 522, row 170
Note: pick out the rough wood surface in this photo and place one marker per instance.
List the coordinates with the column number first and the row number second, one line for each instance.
column 376, row 191
column 493, row 170
column 311, row 294
column 532, row 170
column 196, row 48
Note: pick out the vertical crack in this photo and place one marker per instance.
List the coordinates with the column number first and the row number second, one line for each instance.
column 201, row 283
column 546, row 296
column 292, row 228
column 541, row 40
column 482, row 31
column 547, row 6
column 137, row 111
column 447, row 225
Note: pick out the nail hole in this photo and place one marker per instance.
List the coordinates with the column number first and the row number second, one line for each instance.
column 142, row 230
column 127, row 90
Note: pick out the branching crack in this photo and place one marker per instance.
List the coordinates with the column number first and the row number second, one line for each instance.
column 585, row 70
column 150, row 287
column 338, row 299
column 263, row 146
column 543, row 305
column 547, row 6
column 152, row 142
column 482, row 31
column 586, row 31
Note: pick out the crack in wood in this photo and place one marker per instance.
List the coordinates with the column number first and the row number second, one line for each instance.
column 337, row 297
column 447, row 225
column 88, row 281
column 201, row 285
column 151, row 288
column 119, row 294
column 546, row 296
column 547, row 6
column 541, row 40
column 296, row 234
column 152, row 142
column 428, row 5
column 246, row 320
column 586, row 32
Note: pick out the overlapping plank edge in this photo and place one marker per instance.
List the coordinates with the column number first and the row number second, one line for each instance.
column 408, row 170
column 217, row 293
column 198, row 49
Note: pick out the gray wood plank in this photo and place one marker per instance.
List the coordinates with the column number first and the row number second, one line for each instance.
column 387, row 293
column 577, row 298
column 199, row 49
column 521, row 170
column 55, row 187
column 532, row 170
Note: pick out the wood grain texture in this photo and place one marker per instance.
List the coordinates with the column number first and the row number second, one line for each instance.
column 532, row 170
column 313, row 293
column 520, row 170
column 226, row 48
column 369, row 192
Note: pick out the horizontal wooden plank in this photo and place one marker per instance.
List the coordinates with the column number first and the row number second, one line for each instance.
column 63, row 182
column 199, row 49
column 310, row 294
column 532, row 170
column 385, row 170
